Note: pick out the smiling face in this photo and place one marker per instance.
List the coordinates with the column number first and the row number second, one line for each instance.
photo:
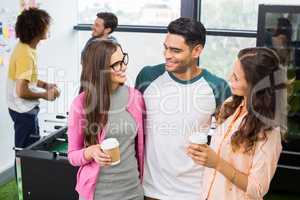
column 118, row 76
column 178, row 55
column 99, row 30
column 239, row 85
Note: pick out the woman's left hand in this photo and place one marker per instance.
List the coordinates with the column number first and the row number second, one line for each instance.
column 202, row 154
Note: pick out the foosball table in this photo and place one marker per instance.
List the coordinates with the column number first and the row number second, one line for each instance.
column 43, row 170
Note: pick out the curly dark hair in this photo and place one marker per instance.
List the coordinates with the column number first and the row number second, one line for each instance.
column 266, row 106
column 32, row 23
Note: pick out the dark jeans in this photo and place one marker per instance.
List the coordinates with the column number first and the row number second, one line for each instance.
column 26, row 127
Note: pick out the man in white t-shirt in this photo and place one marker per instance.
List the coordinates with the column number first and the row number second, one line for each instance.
column 180, row 97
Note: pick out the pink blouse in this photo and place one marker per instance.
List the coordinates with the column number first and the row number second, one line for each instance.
column 260, row 165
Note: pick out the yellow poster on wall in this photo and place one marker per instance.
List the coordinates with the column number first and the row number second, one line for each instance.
column 5, row 32
column 1, row 61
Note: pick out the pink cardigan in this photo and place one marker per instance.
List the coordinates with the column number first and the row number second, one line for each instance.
column 88, row 172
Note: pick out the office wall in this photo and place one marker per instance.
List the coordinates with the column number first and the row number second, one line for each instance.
column 6, row 127
column 58, row 60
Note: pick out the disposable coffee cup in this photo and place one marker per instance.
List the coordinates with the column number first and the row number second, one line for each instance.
column 198, row 138
column 110, row 146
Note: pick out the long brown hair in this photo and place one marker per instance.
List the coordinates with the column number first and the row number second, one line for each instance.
column 266, row 98
column 96, row 83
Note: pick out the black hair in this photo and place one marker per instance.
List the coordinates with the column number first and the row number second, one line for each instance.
column 110, row 20
column 31, row 23
column 193, row 31
column 284, row 27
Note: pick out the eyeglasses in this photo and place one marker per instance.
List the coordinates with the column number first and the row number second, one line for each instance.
column 120, row 65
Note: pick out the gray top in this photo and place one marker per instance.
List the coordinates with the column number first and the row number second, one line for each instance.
column 120, row 181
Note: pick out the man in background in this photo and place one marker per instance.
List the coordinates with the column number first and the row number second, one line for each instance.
column 103, row 27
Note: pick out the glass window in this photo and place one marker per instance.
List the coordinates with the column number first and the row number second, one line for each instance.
column 220, row 53
column 282, row 33
column 235, row 14
column 133, row 12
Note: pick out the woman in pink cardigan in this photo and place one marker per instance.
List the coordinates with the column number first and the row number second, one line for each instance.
column 242, row 157
column 106, row 108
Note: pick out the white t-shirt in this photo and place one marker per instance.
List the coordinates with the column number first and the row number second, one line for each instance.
column 22, row 65
column 175, row 109
column 17, row 103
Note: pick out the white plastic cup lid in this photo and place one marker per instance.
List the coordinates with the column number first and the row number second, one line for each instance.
column 198, row 138
column 109, row 143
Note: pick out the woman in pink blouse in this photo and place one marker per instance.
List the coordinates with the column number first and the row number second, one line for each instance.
column 106, row 108
column 242, row 157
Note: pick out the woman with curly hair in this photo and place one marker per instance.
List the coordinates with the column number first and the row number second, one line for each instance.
column 242, row 157
column 22, row 97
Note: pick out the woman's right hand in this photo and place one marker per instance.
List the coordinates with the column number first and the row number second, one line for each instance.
column 95, row 152
column 51, row 94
